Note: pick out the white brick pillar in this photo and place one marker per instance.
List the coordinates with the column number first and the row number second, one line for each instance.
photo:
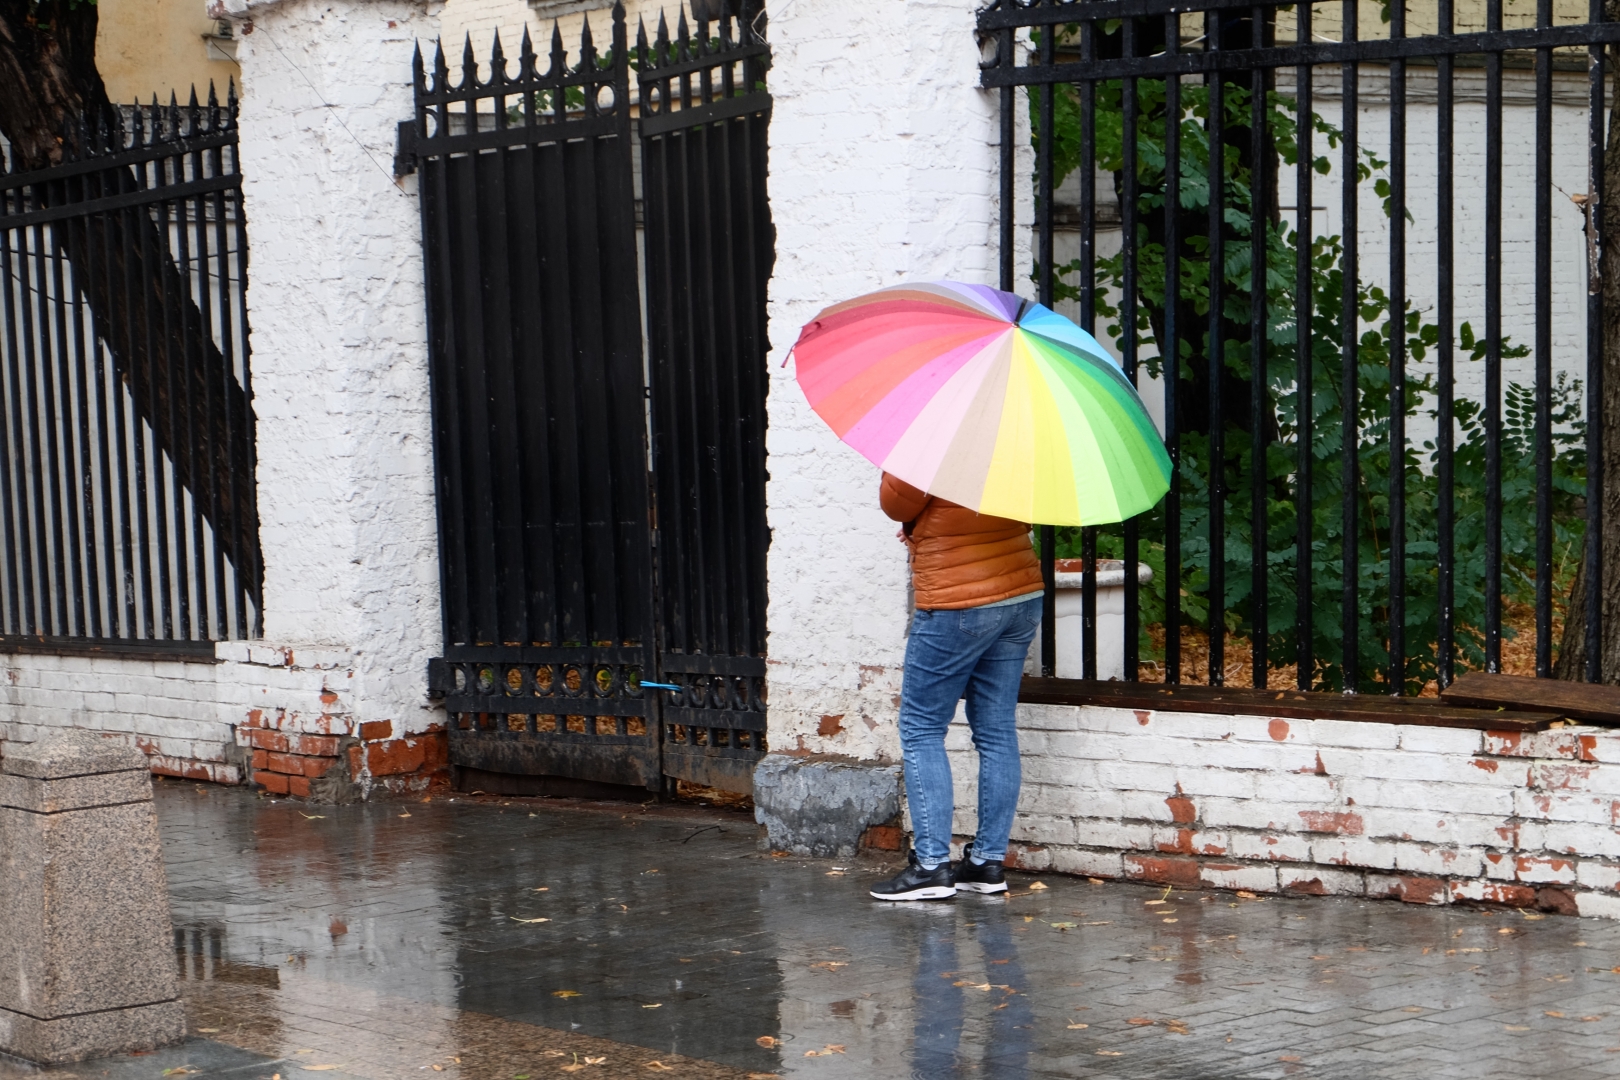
column 339, row 352
column 883, row 158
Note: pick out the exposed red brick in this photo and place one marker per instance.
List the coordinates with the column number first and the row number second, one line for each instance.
column 264, row 739
column 373, row 730
column 329, row 697
column 1182, row 810
column 255, row 718
column 1142, row 716
column 261, row 759
column 1317, row 769
column 1027, row 857
column 1165, row 871
column 830, row 725
column 1414, row 890
column 1502, row 742
column 1182, row 845
column 1278, row 729
column 272, row 782
column 291, row 764
column 316, row 745
column 299, row 786
column 1497, row 892
column 318, row 766
column 395, row 756
column 1588, row 753
column 1332, row 821
column 355, row 758
column 1560, row 901
column 883, row 838
column 1308, row 886
column 1485, row 763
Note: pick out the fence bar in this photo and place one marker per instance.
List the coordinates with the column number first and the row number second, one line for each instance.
column 1493, row 347
column 1397, row 360
column 1259, row 205
column 1170, row 360
column 1350, row 401
column 1215, row 361
column 1088, row 308
column 1595, row 194
column 1304, row 361
column 1445, row 434
column 1044, row 271
column 1543, row 349
column 1128, row 315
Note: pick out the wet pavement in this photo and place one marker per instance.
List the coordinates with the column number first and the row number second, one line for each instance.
column 527, row 939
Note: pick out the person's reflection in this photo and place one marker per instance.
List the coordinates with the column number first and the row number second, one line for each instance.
column 940, row 1003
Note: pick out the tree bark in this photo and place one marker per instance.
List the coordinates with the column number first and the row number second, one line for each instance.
column 53, row 104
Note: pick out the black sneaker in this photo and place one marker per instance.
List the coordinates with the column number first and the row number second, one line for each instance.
column 915, row 883
column 981, row 877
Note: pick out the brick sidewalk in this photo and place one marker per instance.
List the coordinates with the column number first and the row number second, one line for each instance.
column 515, row 940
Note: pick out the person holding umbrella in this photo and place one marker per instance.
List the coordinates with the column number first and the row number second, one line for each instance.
column 986, row 412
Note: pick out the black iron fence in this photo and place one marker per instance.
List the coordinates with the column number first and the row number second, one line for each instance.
column 127, row 503
column 1382, row 412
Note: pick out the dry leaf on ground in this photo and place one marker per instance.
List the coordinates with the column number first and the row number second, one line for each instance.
column 1036, row 886
column 565, row 993
column 514, row 918
column 768, row 1041
column 1139, row 1021
column 1109, row 1053
column 654, row 1005
column 657, row 1066
column 1078, row 1027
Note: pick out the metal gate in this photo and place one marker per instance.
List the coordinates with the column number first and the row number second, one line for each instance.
column 709, row 250
column 554, row 611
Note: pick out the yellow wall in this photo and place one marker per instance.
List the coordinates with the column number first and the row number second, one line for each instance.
column 146, row 47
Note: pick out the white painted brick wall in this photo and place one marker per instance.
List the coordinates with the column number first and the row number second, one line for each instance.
column 1426, row 815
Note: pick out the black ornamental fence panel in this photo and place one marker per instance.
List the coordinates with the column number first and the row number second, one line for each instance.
column 600, row 493
column 1360, row 265
column 127, row 505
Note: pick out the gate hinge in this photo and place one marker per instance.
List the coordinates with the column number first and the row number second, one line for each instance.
column 404, row 148
column 438, row 678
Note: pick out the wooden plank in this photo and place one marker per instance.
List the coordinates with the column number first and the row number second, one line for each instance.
column 1591, row 702
column 1289, row 704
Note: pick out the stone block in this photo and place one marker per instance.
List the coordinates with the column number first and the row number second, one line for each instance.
column 821, row 805
column 87, row 964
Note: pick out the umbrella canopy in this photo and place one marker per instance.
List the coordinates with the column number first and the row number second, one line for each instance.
column 988, row 400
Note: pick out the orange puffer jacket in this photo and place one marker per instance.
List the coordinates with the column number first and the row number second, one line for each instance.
column 960, row 558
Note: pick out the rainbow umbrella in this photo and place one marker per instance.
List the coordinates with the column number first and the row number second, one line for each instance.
column 993, row 402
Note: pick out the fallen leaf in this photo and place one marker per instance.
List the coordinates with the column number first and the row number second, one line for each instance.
column 1245, row 894
column 1507, row 930
column 596, row 1061
column 312, row 817
column 1095, row 880
column 834, row 1048
column 1078, row 1027
column 1413, row 1008
column 1177, row 1027
column 1287, row 1057
column 653, row 871
column 1590, row 1019
column 656, row 1065
column 543, row 888
column 179, row 1070
column 971, row 984
column 1109, row 1053
column 514, row 918
column 1152, row 903
column 406, row 814
column 835, row 873
column 1172, row 920
column 1031, row 918
column 1139, row 1021
column 655, row 1005
column 1516, row 1027
column 208, row 1031
column 1063, row 926
column 1036, row 886
column 1554, row 1014
column 768, row 1041
column 565, row 993
column 831, row 965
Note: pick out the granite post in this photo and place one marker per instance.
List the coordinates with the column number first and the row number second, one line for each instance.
column 87, row 958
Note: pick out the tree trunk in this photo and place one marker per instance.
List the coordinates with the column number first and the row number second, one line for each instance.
column 52, row 106
column 1572, row 650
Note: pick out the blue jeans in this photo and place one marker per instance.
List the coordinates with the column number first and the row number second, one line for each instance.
column 977, row 654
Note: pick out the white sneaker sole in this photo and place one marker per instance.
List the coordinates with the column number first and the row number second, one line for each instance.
column 981, row 887
column 929, row 892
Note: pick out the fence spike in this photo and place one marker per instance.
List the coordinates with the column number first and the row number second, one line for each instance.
column 469, row 65
column 526, row 58
column 559, row 57
column 174, row 116
column 662, row 44
column 641, row 44
column 497, row 62
column 213, row 108
column 725, row 25
column 587, row 47
column 418, row 75
column 137, row 126
column 441, row 68
column 683, row 38
column 700, row 12
column 230, row 96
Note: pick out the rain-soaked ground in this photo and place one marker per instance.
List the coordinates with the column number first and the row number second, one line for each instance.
column 527, row 939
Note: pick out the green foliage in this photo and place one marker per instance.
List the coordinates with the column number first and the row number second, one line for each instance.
column 1376, row 330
